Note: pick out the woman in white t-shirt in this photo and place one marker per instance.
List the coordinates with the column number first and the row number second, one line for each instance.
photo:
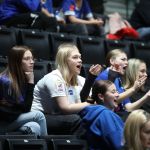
column 57, row 94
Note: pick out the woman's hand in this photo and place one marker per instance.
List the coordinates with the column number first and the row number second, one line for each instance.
column 30, row 77
column 139, row 83
column 95, row 69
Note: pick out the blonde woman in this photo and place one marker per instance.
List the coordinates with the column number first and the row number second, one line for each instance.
column 117, row 62
column 137, row 70
column 137, row 130
column 58, row 93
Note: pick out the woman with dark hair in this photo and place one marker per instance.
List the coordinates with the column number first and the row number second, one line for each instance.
column 104, row 128
column 16, row 86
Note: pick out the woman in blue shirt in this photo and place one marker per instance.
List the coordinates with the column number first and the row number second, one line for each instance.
column 78, row 13
column 25, row 13
column 104, row 128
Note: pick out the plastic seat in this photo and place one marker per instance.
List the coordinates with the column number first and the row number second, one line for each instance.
column 41, row 68
column 118, row 44
column 38, row 41
column 92, row 50
column 64, row 142
column 7, row 40
column 26, row 144
column 59, row 38
column 142, row 51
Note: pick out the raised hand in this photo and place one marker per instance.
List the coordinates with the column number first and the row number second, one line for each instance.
column 95, row 69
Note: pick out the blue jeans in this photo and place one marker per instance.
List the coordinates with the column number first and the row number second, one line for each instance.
column 35, row 120
column 144, row 33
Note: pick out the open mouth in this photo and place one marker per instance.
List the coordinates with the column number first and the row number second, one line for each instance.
column 79, row 66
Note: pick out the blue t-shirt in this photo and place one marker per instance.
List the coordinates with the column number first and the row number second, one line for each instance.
column 104, row 128
column 117, row 81
column 69, row 8
column 9, row 8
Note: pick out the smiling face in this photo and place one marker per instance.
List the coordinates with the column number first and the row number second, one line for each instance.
column 110, row 97
column 74, row 62
column 27, row 62
column 145, row 135
column 119, row 63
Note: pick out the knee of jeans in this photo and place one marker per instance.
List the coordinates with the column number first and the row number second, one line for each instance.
column 35, row 127
column 39, row 115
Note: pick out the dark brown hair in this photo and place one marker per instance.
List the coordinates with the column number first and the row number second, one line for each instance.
column 100, row 87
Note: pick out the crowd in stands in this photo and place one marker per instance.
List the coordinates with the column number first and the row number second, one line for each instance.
column 109, row 109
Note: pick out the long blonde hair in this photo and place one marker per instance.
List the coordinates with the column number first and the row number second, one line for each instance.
column 64, row 51
column 133, row 125
column 131, row 73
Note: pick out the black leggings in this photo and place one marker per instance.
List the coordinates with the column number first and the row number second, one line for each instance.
column 33, row 20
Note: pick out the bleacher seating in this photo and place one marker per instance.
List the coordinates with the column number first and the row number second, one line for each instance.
column 38, row 41
column 7, row 40
column 41, row 68
column 142, row 51
column 92, row 50
column 118, row 44
column 26, row 144
column 59, row 38
column 3, row 139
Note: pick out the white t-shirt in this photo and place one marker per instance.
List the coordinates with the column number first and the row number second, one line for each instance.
column 53, row 85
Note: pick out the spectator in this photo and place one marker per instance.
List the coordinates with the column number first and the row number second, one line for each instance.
column 136, row 131
column 57, row 94
column 47, row 9
column 136, row 70
column 16, row 86
column 26, row 13
column 79, row 15
column 117, row 62
column 140, row 19
column 104, row 127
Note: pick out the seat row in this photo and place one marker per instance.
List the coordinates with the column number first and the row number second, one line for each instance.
column 93, row 49
column 49, row 142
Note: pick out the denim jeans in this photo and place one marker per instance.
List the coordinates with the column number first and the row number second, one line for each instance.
column 35, row 120
column 144, row 33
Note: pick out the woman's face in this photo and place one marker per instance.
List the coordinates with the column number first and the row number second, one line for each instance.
column 74, row 62
column 120, row 63
column 27, row 62
column 145, row 135
column 110, row 97
column 142, row 71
